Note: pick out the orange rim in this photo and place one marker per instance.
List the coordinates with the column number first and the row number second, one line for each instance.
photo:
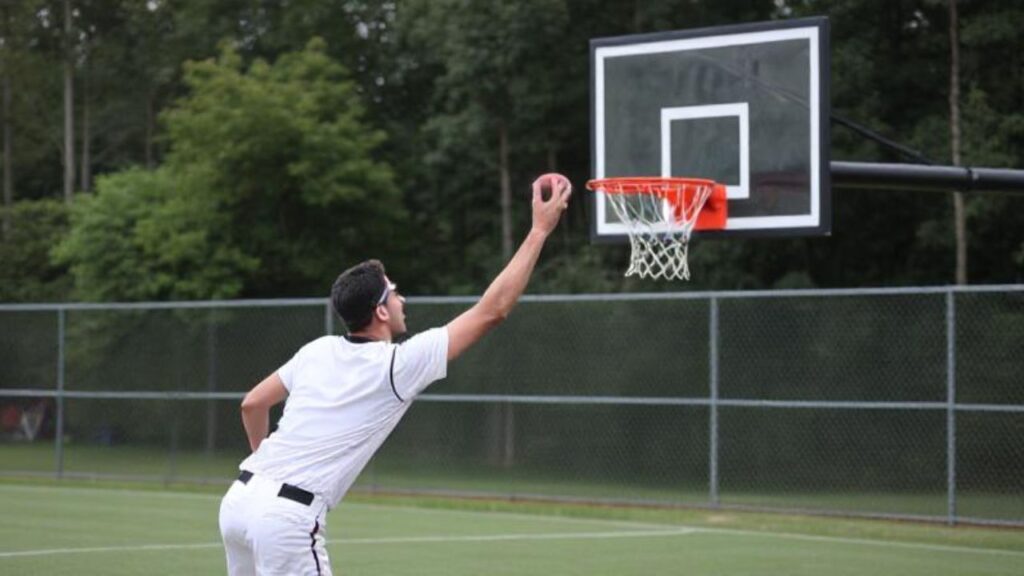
column 676, row 191
column 643, row 184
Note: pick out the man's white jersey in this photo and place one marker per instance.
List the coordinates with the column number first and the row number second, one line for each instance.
column 344, row 399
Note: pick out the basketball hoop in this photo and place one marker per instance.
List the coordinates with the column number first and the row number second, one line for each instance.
column 659, row 215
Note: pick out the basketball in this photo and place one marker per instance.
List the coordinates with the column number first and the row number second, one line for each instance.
column 548, row 182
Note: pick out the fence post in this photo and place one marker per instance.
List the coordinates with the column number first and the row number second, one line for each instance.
column 211, row 382
column 713, row 406
column 58, row 435
column 951, row 406
column 328, row 320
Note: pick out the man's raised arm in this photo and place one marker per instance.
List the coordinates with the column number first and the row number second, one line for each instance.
column 503, row 293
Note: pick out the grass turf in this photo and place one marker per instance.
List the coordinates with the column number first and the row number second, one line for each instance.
column 165, row 467
column 67, row 528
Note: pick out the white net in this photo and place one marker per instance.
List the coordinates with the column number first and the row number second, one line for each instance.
column 660, row 215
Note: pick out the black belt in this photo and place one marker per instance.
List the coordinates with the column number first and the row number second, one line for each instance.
column 293, row 493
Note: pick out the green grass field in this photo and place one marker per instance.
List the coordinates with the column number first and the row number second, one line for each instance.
column 68, row 528
column 165, row 467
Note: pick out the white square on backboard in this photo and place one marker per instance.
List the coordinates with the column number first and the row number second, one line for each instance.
column 739, row 110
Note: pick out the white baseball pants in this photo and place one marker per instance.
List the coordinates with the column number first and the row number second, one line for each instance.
column 266, row 534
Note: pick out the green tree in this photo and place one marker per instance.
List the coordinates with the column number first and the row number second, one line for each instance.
column 491, row 60
column 292, row 161
column 27, row 273
column 890, row 71
column 32, row 92
column 446, row 79
column 993, row 133
column 12, row 55
column 152, row 235
column 269, row 187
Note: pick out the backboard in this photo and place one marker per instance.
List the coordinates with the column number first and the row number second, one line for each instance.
column 745, row 105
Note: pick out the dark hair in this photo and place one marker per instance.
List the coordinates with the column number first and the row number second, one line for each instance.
column 355, row 293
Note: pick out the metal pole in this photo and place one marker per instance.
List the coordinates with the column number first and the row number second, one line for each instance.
column 58, row 436
column 211, row 383
column 713, row 408
column 951, row 406
column 172, row 468
column 870, row 175
column 328, row 320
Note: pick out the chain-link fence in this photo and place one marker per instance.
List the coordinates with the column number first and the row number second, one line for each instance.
column 891, row 402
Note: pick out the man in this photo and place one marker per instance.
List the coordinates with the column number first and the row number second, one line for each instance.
column 344, row 396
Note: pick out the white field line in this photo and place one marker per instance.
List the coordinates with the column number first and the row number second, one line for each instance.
column 113, row 492
column 537, row 537
column 136, row 548
column 863, row 542
column 507, row 537
column 510, row 537
column 660, row 528
column 519, row 516
column 366, row 541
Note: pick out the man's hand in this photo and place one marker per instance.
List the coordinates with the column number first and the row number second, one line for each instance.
column 546, row 213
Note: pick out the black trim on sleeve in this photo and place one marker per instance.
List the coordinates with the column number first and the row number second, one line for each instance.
column 392, row 375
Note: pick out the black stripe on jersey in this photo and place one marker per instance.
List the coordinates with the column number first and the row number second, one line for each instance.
column 392, row 374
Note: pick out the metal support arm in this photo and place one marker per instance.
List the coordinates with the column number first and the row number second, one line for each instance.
column 928, row 178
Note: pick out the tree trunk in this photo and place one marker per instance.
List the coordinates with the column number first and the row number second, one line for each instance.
column 8, row 151
column 69, row 100
column 150, row 117
column 506, row 193
column 86, row 161
column 959, row 212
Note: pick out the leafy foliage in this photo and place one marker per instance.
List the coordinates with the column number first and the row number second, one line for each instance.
column 149, row 235
column 26, row 272
column 286, row 159
column 290, row 160
column 268, row 186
